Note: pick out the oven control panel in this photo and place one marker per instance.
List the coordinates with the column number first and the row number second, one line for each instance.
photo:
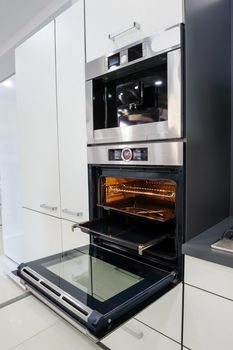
column 127, row 154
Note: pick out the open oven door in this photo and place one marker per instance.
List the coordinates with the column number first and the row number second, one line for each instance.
column 94, row 288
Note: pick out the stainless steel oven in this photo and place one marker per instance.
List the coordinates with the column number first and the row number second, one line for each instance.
column 135, row 94
column 136, row 230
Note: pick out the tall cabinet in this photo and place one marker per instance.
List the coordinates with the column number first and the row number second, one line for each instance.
column 37, row 121
column 51, row 120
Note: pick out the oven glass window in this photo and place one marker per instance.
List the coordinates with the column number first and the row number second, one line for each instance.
column 91, row 274
column 151, row 199
column 135, row 98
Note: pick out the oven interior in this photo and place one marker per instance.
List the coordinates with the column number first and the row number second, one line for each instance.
column 138, row 215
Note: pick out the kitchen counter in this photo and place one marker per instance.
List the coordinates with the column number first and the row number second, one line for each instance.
column 199, row 246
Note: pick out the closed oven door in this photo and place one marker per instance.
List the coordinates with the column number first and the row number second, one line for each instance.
column 139, row 103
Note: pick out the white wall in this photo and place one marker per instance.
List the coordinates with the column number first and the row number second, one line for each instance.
column 7, row 55
column 9, row 167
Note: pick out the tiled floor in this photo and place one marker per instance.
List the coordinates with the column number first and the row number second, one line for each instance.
column 27, row 324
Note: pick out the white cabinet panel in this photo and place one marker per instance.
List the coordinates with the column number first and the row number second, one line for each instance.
column 70, row 57
column 104, row 17
column 165, row 315
column 212, row 277
column 37, row 121
column 208, row 320
column 41, row 236
column 137, row 336
column 72, row 239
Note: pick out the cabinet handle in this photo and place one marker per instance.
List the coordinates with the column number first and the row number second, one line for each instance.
column 134, row 26
column 48, row 207
column 70, row 212
column 73, row 227
column 134, row 332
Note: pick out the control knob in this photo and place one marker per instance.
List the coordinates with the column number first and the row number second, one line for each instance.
column 126, row 154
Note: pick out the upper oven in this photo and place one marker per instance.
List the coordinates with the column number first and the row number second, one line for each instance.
column 135, row 94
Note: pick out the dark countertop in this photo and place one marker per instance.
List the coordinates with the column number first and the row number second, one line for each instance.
column 199, row 246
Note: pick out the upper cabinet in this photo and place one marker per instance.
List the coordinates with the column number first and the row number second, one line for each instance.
column 70, row 58
column 112, row 25
column 37, row 122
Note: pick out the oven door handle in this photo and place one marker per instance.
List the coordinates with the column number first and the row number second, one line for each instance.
column 135, row 25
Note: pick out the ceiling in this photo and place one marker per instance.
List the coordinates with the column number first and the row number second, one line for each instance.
column 15, row 15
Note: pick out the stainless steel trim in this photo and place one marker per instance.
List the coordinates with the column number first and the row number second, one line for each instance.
column 89, row 112
column 48, row 207
column 170, row 129
column 60, row 299
column 65, row 316
column 154, row 45
column 134, row 26
column 161, row 153
column 71, row 212
column 224, row 244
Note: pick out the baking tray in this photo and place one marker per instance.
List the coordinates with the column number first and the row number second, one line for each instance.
column 135, row 235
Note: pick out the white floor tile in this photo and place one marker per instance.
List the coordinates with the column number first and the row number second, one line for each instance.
column 61, row 336
column 8, row 289
column 22, row 320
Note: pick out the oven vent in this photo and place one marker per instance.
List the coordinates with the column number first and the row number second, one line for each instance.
column 56, row 293
column 52, row 290
column 74, row 305
column 31, row 275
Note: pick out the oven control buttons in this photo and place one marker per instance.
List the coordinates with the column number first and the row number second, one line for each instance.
column 126, row 154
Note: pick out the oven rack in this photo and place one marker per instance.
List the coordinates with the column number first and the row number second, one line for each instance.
column 159, row 214
column 128, row 233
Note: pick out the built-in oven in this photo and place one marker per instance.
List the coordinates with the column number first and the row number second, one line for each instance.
column 135, row 94
column 136, row 230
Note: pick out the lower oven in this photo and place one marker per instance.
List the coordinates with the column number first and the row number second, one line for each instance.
column 136, row 232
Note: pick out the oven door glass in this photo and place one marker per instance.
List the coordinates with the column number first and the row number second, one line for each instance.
column 95, row 286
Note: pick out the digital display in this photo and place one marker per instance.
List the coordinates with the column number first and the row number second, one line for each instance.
column 114, row 60
column 135, row 52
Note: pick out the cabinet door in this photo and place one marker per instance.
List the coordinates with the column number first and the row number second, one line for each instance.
column 151, row 15
column 72, row 239
column 208, row 320
column 137, row 336
column 40, row 236
column 165, row 314
column 71, row 113
column 37, row 122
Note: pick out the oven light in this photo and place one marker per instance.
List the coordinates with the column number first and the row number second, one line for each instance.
column 158, row 83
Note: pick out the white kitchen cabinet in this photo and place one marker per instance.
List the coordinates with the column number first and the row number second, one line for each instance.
column 165, row 314
column 37, row 122
column 208, row 320
column 104, row 18
column 72, row 239
column 137, row 336
column 70, row 59
column 40, row 237
column 215, row 278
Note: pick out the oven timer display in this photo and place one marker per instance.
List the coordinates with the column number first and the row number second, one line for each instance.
column 128, row 154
